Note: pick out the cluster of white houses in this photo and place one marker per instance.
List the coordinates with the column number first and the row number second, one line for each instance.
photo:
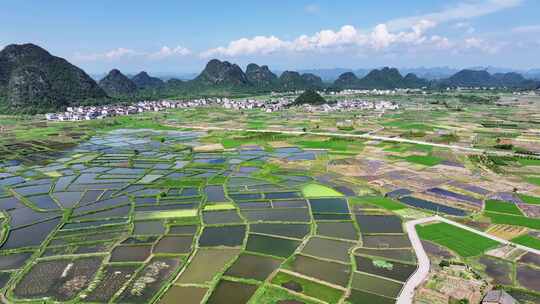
column 273, row 105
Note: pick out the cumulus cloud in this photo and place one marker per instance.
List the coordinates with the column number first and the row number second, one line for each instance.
column 166, row 51
column 256, row 45
column 347, row 37
column 124, row 53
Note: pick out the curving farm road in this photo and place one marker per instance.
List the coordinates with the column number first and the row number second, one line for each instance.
column 407, row 293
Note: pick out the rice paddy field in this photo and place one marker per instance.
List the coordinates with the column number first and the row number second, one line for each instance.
column 154, row 208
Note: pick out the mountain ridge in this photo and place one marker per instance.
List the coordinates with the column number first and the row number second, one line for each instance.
column 33, row 81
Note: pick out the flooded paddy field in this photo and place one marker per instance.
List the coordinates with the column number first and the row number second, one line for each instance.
column 139, row 216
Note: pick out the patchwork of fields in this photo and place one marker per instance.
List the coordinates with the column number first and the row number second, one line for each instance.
column 137, row 210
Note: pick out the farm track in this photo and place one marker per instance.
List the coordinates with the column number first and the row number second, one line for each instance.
column 368, row 135
column 407, row 293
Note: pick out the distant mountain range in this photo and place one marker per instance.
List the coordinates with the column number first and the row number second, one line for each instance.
column 34, row 81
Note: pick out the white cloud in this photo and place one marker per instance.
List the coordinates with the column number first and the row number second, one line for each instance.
column 480, row 44
column 166, row 51
column 441, row 43
column 461, row 11
column 466, row 27
column 124, row 53
column 347, row 37
column 256, row 45
column 109, row 55
column 409, row 31
column 527, row 29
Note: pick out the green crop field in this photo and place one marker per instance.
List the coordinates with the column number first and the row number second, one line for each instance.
column 502, row 207
column 462, row 242
column 533, row 200
column 378, row 201
column 529, row 162
column 316, row 190
column 166, row 214
column 515, row 220
column 534, row 180
column 424, row 160
column 527, row 240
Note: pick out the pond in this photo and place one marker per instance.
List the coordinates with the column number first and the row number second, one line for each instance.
column 188, row 294
column 271, row 245
column 342, row 230
column 228, row 292
column 277, row 215
column 205, row 264
column 328, row 249
column 30, row 236
column 14, row 261
column 329, row 205
column 379, row 224
column 256, row 267
column 229, row 236
column 431, row 206
column 221, row 217
column 149, row 228
column 331, row 272
column 393, row 270
column 131, row 253
column 178, row 244
column 298, row 231
column 215, row 194
column 43, row 202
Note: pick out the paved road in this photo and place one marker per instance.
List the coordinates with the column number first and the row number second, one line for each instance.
column 368, row 135
column 407, row 293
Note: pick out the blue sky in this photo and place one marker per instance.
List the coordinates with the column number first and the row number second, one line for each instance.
column 181, row 36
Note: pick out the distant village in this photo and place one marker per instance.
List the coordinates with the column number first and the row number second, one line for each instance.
column 268, row 106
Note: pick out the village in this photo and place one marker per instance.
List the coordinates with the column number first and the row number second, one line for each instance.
column 268, row 106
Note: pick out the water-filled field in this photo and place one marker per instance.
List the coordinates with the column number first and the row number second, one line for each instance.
column 142, row 216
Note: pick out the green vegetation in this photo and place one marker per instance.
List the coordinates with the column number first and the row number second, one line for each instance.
column 270, row 294
column 383, row 264
column 533, row 200
column 378, row 201
column 317, row 190
column 406, row 125
column 426, row 160
column 219, row 207
column 502, row 207
column 334, row 144
column 534, row 180
column 310, row 288
column 527, row 240
column 309, row 97
column 515, row 220
column 462, row 242
column 529, row 161
column 165, row 214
